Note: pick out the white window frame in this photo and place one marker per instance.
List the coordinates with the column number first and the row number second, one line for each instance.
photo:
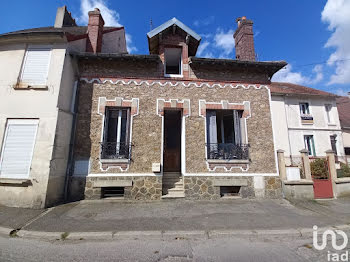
column 33, row 47
column 308, row 107
column 313, row 144
column 19, row 122
column 181, row 64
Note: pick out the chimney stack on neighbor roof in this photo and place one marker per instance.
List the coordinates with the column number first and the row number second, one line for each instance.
column 349, row 94
column 64, row 18
column 95, row 31
column 244, row 39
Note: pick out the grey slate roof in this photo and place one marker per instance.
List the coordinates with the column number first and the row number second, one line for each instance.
column 171, row 22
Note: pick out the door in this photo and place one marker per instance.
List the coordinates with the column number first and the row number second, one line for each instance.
column 321, row 177
column 172, row 141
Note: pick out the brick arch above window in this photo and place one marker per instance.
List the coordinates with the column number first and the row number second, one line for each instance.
column 173, row 104
column 204, row 106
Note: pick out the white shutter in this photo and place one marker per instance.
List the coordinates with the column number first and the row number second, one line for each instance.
column 18, row 148
column 36, row 66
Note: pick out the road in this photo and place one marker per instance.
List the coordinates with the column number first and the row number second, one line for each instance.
column 243, row 248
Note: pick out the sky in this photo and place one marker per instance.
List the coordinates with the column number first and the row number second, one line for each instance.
column 312, row 36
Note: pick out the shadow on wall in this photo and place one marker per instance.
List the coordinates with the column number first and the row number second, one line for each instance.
column 82, row 144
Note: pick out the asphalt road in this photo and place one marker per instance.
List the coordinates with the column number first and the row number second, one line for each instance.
column 255, row 249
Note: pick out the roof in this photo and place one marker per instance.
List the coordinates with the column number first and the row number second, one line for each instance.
column 293, row 89
column 343, row 105
column 126, row 56
column 176, row 22
column 73, row 30
column 270, row 67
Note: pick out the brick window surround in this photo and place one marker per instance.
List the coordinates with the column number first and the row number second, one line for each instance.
column 133, row 104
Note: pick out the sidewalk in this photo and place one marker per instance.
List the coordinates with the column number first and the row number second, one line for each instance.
column 179, row 216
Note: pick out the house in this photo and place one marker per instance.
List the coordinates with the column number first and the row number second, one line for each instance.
column 343, row 105
column 38, row 83
column 305, row 118
column 169, row 124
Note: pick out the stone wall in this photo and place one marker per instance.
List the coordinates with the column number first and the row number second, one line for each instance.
column 147, row 125
column 141, row 187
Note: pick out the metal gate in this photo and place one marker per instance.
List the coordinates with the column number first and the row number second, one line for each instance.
column 321, row 177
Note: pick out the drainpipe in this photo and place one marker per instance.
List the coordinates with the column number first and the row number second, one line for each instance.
column 70, row 164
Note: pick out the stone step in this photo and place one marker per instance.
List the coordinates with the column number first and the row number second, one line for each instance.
column 174, row 195
column 175, row 189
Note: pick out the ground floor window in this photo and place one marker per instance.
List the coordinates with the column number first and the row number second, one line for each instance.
column 18, row 146
column 116, row 143
column 310, row 145
column 225, row 136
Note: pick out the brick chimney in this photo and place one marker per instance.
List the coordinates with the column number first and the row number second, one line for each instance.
column 244, row 39
column 95, row 31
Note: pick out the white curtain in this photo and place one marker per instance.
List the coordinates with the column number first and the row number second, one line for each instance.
column 237, row 127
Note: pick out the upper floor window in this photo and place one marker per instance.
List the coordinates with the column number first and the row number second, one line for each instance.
column 225, row 139
column 306, row 117
column 304, row 109
column 173, row 61
column 116, row 143
column 328, row 108
column 35, row 66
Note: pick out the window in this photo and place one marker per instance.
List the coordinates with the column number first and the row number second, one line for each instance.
column 225, row 138
column 304, row 109
column 328, row 108
column 310, row 145
column 17, row 150
column 36, row 66
column 115, row 143
column 173, row 61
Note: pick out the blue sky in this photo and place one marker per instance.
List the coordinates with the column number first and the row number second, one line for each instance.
column 312, row 36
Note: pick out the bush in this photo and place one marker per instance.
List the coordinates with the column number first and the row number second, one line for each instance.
column 344, row 171
column 319, row 168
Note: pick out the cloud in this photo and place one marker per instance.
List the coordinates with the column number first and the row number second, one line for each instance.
column 337, row 14
column 202, row 47
column 341, row 92
column 287, row 75
column 224, row 41
column 110, row 16
column 204, row 22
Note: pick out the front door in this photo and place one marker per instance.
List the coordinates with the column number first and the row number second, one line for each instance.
column 172, row 140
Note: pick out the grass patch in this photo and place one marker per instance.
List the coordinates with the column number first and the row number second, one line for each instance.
column 64, row 235
column 13, row 233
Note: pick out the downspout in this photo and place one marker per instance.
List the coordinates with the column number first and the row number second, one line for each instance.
column 70, row 165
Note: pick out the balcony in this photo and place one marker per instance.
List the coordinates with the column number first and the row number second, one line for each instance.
column 227, row 151
column 115, row 151
column 307, row 119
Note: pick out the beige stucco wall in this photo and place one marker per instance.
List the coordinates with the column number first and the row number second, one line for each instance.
column 38, row 104
column 289, row 131
column 346, row 138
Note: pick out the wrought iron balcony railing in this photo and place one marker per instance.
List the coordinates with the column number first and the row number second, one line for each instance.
column 115, row 150
column 227, row 151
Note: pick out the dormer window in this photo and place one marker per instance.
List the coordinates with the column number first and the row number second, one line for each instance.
column 173, row 62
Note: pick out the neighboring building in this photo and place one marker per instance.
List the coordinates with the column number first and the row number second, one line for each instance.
column 343, row 104
column 305, row 118
column 37, row 91
column 170, row 124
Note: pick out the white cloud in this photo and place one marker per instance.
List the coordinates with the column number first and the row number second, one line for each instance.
column 287, row 75
column 341, row 92
column 110, row 16
column 337, row 14
column 202, row 47
column 224, row 41
column 204, row 22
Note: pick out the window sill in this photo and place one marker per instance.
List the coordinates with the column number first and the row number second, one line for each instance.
column 173, row 76
column 307, row 122
column 15, row 182
column 332, row 124
column 229, row 161
column 24, row 86
column 121, row 161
